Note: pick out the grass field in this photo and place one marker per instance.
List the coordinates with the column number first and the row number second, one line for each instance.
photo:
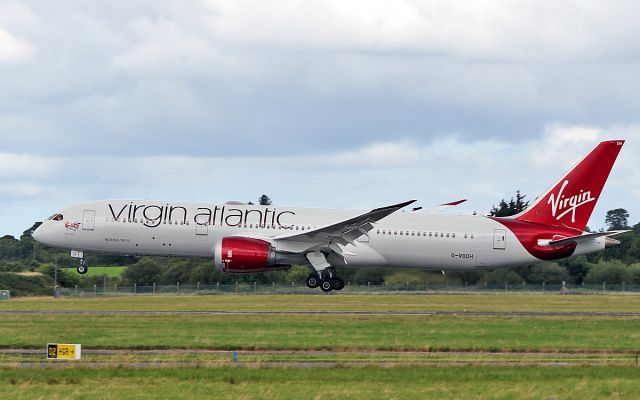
column 335, row 383
column 339, row 302
column 322, row 332
column 110, row 272
column 335, row 332
column 618, row 338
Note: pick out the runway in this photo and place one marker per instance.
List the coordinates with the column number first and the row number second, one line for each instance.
column 98, row 358
column 509, row 314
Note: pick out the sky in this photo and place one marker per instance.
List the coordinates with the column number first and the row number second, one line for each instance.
column 326, row 103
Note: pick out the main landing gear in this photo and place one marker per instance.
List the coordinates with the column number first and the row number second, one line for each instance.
column 83, row 267
column 326, row 279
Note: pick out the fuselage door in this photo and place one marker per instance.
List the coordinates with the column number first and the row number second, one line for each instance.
column 499, row 239
column 88, row 220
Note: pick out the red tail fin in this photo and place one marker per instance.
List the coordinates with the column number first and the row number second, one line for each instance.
column 571, row 200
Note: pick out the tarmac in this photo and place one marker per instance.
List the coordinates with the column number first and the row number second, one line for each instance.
column 323, row 359
column 509, row 314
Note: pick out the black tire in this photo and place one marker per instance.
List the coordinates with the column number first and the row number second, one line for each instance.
column 337, row 283
column 326, row 286
column 82, row 269
column 313, row 281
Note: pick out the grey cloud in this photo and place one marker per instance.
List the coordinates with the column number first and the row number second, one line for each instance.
column 114, row 90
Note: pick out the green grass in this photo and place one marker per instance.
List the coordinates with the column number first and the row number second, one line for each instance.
column 339, row 301
column 337, row 332
column 332, row 383
column 605, row 340
column 322, row 332
column 110, row 272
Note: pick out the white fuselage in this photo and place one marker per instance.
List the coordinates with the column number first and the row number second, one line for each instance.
column 403, row 239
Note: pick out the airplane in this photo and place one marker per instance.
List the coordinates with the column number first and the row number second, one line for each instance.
column 245, row 238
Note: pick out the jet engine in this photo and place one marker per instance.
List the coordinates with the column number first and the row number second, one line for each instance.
column 247, row 255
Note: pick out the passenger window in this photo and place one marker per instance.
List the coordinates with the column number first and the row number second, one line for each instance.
column 447, row 235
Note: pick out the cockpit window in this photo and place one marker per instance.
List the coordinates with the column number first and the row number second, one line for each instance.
column 56, row 217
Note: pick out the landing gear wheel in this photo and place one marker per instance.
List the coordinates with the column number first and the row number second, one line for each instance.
column 82, row 269
column 337, row 283
column 313, row 281
column 326, row 286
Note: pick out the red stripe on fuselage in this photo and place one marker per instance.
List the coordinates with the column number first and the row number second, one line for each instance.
column 529, row 233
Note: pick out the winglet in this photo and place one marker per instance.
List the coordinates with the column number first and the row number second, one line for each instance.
column 453, row 203
column 393, row 207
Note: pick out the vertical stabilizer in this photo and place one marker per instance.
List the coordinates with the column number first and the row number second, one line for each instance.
column 570, row 202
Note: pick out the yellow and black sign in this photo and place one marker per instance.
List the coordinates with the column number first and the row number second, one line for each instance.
column 59, row 351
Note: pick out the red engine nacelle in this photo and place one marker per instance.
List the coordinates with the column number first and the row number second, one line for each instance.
column 245, row 255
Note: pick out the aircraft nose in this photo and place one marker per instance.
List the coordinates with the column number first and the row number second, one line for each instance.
column 38, row 234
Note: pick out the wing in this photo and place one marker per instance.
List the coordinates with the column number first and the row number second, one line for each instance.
column 346, row 231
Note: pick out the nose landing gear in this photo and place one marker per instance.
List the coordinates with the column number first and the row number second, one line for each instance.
column 83, row 267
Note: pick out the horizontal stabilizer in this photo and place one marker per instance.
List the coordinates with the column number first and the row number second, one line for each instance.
column 584, row 238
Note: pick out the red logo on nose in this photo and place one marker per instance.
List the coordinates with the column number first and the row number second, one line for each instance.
column 73, row 226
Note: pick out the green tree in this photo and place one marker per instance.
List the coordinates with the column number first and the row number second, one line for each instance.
column 578, row 267
column 617, row 219
column 65, row 278
column 11, row 266
column 27, row 242
column 264, row 200
column 547, row 272
column 612, row 271
column 500, row 276
column 10, row 248
column 297, row 274
column 513, row 207
column 144, row 272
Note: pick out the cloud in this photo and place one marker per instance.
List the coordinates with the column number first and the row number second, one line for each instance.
column 371, row 175
column 19, row 166
column 349, row 72
column 320, row 103
column 494, row 31
column 13, row 49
